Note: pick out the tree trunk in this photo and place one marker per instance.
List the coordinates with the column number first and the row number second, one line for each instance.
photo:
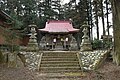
column 91, row 21
column 107, row 13
column 96, row 17
column 103, row 23
column 116, row 28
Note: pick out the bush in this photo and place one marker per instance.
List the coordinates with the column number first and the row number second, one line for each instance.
column 107, row 44
column 97, row 44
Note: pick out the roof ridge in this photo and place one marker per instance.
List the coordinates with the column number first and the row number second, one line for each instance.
column 59, row 21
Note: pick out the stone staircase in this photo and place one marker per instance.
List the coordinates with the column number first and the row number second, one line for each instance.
column 59, row 62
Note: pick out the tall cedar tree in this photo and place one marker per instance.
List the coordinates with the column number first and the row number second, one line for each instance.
column 116, row 28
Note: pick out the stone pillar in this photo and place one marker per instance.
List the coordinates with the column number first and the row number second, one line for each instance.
column 86, row 44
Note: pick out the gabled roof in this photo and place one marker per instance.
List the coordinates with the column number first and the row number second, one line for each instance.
column 58, row 26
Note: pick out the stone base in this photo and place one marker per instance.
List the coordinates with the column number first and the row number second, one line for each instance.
column 86, row 48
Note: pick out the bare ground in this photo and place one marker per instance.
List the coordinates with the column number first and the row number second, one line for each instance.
column 108, row 71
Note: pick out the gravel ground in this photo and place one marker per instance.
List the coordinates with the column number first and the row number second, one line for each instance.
column 108, row 71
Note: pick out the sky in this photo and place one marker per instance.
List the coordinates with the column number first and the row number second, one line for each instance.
column 65, row 1
column 101, row 28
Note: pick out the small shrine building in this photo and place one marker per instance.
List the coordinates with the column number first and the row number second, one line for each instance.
column 58, row 35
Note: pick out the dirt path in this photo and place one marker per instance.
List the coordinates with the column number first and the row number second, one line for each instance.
column 108, row 71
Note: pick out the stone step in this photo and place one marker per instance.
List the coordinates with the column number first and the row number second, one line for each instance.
column 60, row 59
column 60, row 65
column 63, row 52
column 60, row 68
column 59, row 56
column 58, row 62
column 61, row 71
column 59, row 51
column 62, row 76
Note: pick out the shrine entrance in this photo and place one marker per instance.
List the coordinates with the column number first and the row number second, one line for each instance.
column 57, row 41
column 58, row 35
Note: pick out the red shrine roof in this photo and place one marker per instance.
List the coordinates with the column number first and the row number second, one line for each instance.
column 57, row 26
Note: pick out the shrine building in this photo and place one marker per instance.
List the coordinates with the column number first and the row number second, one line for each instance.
column 5, row 23
column 58, row 35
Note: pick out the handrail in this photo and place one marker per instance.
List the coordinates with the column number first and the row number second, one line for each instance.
column 40, row 59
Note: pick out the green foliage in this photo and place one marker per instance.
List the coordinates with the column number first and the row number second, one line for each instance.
column 107, row 44
column 97, row 44
column 37, row 11
column 17, row 24
column 10, row 39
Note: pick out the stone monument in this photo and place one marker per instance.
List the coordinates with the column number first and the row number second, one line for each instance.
column 86, row 44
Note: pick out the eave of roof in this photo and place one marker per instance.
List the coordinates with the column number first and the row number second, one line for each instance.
column 5, row 15
column 59, row 27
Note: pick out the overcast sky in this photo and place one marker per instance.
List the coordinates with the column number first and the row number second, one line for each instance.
column 65, row 1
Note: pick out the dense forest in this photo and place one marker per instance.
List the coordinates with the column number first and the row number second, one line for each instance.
column 39, row 11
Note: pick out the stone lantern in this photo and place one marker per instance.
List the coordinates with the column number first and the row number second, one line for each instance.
column 86, row 44
column 32, row 55
column 32, row 44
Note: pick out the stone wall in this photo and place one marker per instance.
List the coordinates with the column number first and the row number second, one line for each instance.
column 90, row 60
